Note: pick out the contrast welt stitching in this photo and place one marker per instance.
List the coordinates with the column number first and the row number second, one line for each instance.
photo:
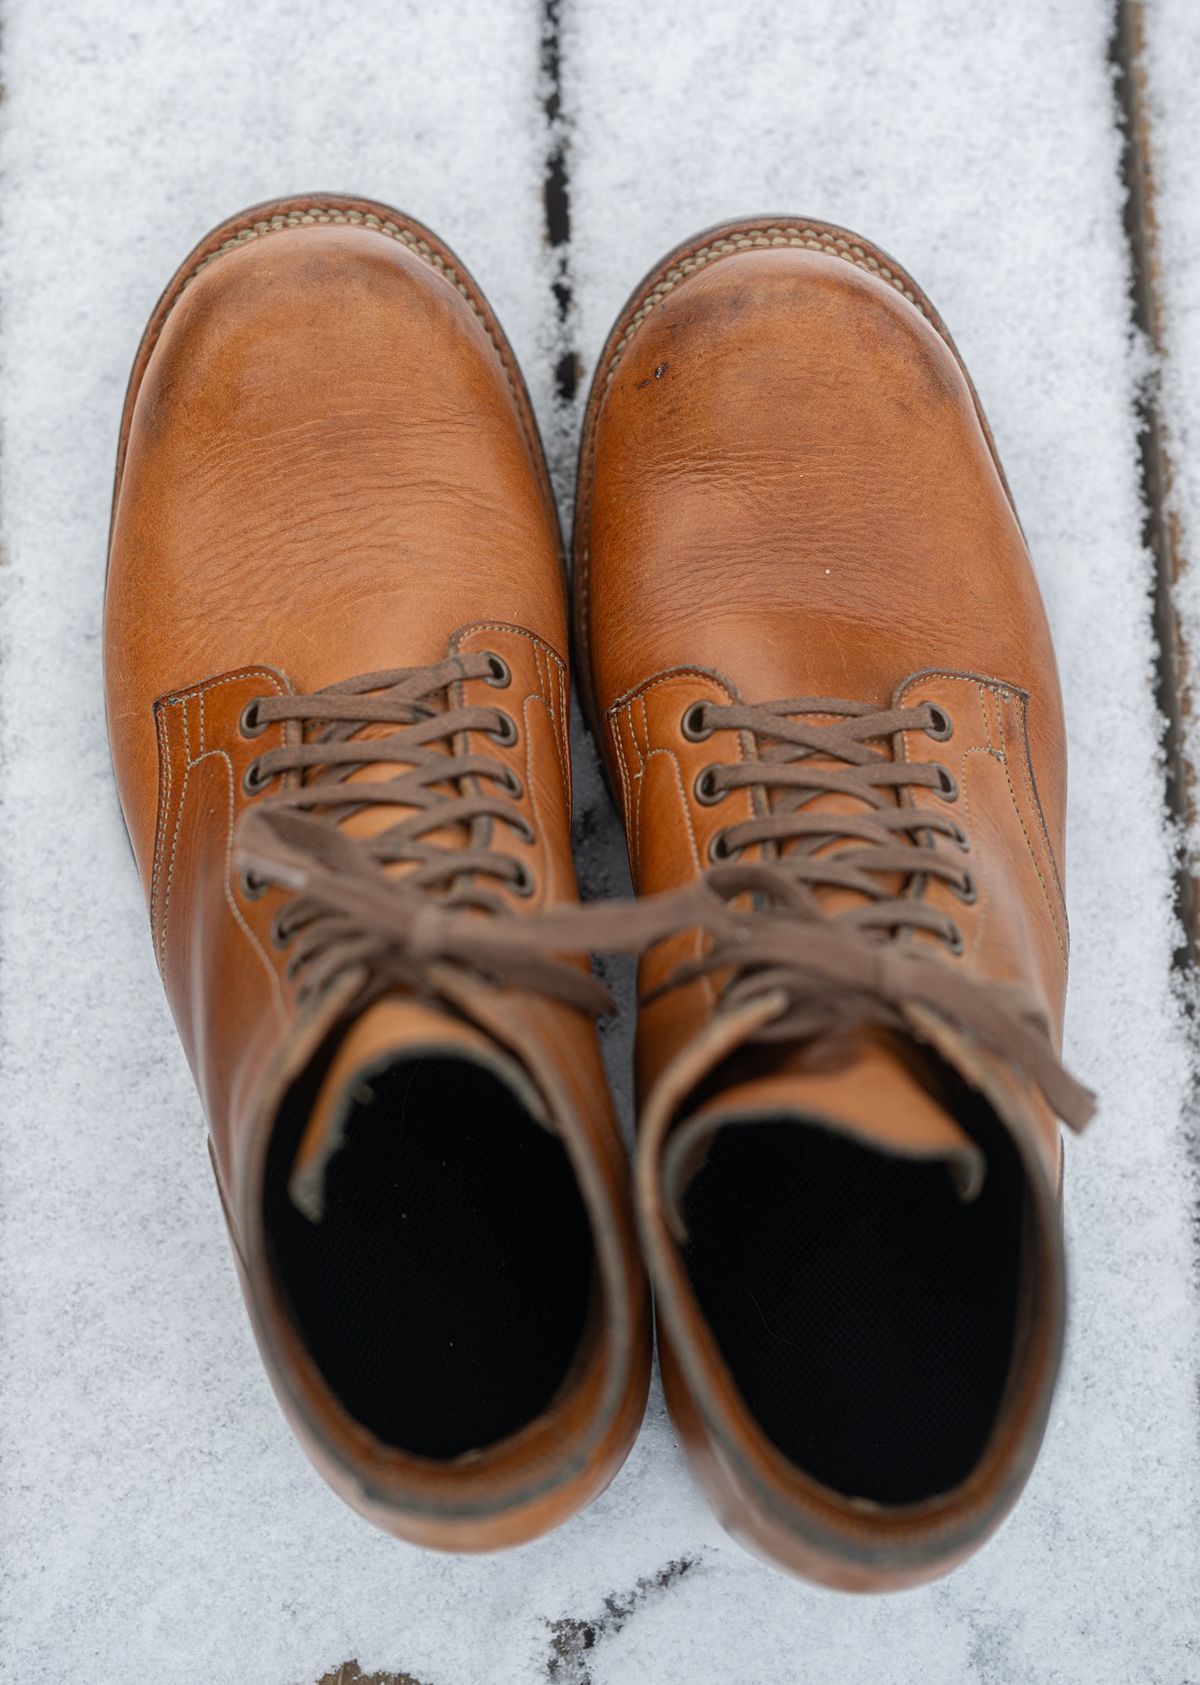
column 317, row 214
column 809, row 239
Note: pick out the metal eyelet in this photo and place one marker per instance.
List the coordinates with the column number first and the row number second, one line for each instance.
column 692, row 724
column 968, row 890
column 942, row 726
column 253, row 780
column 511, row 784
column 279, row 936
column 523, row 884
column 501, row 673
column 955, row 941
column 706, row 790
column 718, row 848
column 947, row 785
column 522, row 827
column 249, row 724
column 505, row 734
column 253, row 887
column 960, row 839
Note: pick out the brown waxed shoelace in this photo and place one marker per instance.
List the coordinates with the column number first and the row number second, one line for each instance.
column 767, row 926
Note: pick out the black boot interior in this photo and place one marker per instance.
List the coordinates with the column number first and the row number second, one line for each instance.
column 865, row 1312
column 444, row 1292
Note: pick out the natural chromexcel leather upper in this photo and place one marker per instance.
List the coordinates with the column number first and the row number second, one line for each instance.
column 788, row 492
column 329, row 468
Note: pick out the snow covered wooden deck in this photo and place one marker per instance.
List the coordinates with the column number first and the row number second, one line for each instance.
column 157, row 1520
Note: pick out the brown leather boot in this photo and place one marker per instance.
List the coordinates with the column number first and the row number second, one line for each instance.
column 337, row 694
column 818, row 663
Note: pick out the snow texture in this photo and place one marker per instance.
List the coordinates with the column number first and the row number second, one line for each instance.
column 157, row 1521
column 1171, row 62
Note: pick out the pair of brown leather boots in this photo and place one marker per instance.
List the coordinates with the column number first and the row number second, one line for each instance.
column 814, row 656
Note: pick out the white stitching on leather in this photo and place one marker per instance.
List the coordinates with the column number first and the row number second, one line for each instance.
column 538, row 643
column 633, row 800
column 239, row 916
column 165, row 774
column 810, row 239
column 162, row 922
column 317, row 214
column 1054, row 916
column 687, row 806
column 159, row 935
column 630, row 696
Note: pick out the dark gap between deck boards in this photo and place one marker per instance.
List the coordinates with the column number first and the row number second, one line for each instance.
column 556, row 197
column 1160, row 531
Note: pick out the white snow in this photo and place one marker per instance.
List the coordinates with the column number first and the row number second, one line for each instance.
column 157, row 1520
column 1171, row 61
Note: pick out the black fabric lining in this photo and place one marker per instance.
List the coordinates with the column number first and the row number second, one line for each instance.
column 866, row 1314
column 444, row 1293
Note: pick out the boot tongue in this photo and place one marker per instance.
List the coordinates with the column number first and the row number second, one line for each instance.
column 390, row 1030
column 869, row 1089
